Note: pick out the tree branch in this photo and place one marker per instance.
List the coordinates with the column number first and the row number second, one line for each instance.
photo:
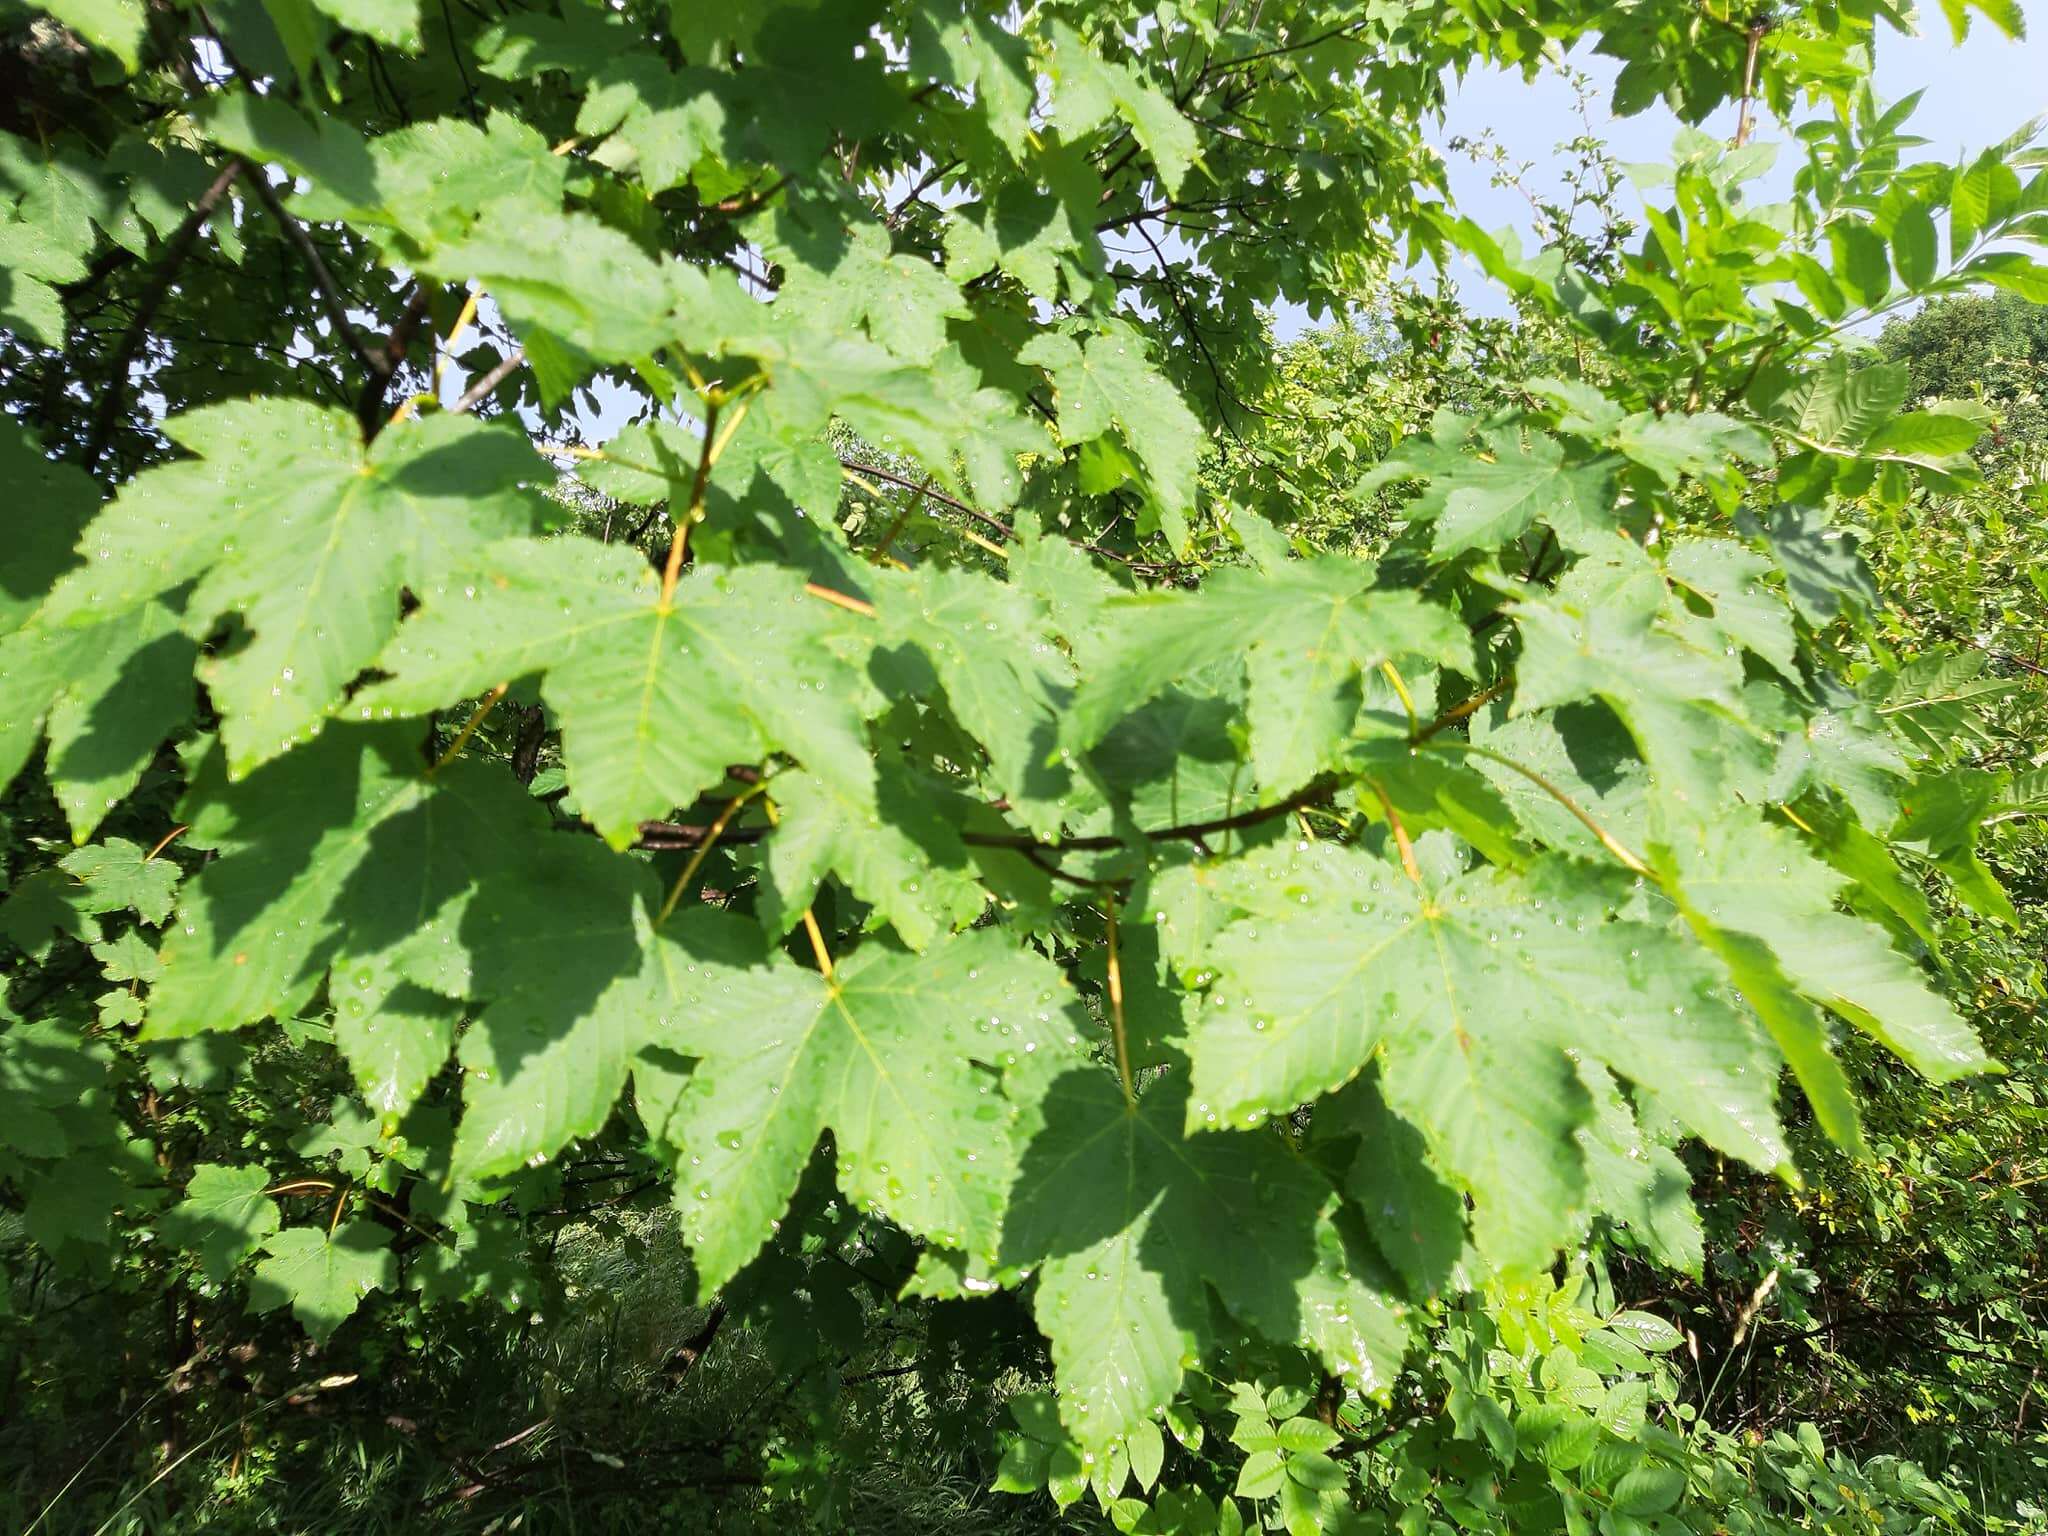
column 323, row 280
column 176, row 249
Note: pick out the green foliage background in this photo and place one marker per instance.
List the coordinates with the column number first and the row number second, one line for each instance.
column 1018, row 907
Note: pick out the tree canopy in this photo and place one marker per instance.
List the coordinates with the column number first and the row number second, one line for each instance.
column 1245, row 885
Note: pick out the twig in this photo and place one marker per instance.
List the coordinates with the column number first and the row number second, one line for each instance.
column 476, row 392
column 1457, row 712
column 387, row 359
column 323, row 280
column 176, row 249
column 1744, row 118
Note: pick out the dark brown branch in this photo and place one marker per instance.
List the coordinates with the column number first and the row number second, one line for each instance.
column 176, row 249
column 385, row 361
column 1193, row 831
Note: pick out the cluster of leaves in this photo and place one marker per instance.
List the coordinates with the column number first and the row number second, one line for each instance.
column 1236, row 943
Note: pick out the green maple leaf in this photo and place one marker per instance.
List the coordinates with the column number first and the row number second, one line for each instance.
column 668, row 120
column 56, row 503
column 1748, row 877
column 1130, row 1223
column 990, row 650
column 346, row 854
column 901, row 1057
column 1306, row 633
column 1742, row 611
column 903, row 855
column 105, row 694
column 1602, row 635
column 1675, row 445
column 395, row 1048
column 1637, row 1181
column 395, row 23
column 1471, row 988
column 904, row 302
column 972, row 51
column 120, row 876
column 307, row 541
column 1088, row 89
column 1581, row 749
column 1104, row 381
column 655, row 698
column 115, row 25
column 323, row 1276
column 226, row 1214
column 1416, row 1219
column 75, row 1202
column 1519, row 479
column 579, row 986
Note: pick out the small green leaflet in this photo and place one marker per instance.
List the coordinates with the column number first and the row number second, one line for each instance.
column 1306, row 633
column 323, row 1276
column 304, row 540
column 225, row 1216
column 902, row 1057
column 122, row 876
column 655, row 699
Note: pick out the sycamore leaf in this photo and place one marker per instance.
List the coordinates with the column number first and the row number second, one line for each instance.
column 1104, row 381
column 115, row 25
column 1130, row 1223
column 323, row 1276
column 1728, row 578
column 1471, row 990
column 901, row 1057
column 1087, row 89
column 989, row 647
column 347, row 853
column 121, row 876
column 1747, row 876
column 1602, row 635
column 1306, row 632
column 655, row 698
column 904, row 857
column 304, row 539
column 226, row 1214
column 1638, row 1182
column 395, row 1048
column 1518, row 479
column 566, row 948
column 971, row 50
column 1824, row 572
column 1416, row 1219
column 1676, row 445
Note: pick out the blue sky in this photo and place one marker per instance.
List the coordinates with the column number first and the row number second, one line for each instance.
column 1976, row 94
